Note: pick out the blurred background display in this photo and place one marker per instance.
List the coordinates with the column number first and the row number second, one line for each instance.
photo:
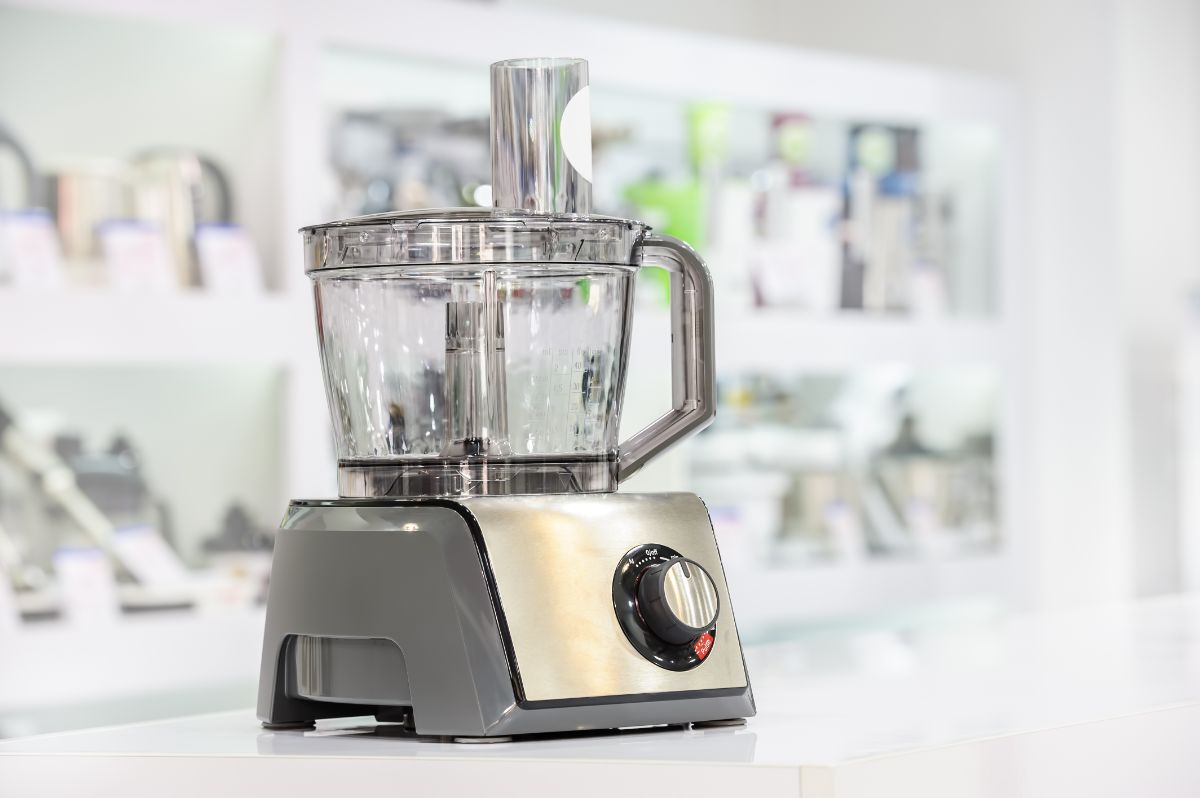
column 794, row 210
column 956, row 340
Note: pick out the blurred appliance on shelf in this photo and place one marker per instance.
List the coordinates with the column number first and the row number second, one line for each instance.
column 180, row 190
column 239, row 559
column 239, row 533
column 974, row 506
column 19, row 182
column 835, row 466
column 401, row 159
column 894, row 249
column 95, row 515
column 114, row 480
column 84, row 194
column 821, row 515
column 397, row 159
column 943, row 499
column 159, row 221
column 780, row 488
column 915, row 482
column 743, row 494
column 798, row 262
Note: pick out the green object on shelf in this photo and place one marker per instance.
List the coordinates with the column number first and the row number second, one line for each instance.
column 876, row 150
column 794, row 140
column 674, row 208
column 708, row 133
column 677, row 207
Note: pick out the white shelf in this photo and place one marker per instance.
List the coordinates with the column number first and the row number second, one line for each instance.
column 774, row 596
column 62, row 665
column 90, row 327
column 778, row 339
column 775, row 339
column 85, row 328
column 1096, row 702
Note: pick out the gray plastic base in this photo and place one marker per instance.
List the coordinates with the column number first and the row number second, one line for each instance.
column 413, row 574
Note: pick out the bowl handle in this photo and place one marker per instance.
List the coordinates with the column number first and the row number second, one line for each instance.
column 693, row 382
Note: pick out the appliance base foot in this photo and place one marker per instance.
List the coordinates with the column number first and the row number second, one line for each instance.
column 295, row 725
column 480, row 740
column 719, row 724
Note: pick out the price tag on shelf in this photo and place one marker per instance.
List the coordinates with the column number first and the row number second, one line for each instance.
column 10, row 616
column 228, row 260
column 86, row 584
column 137, row 256
column 30, row 255
column 148, row 557
column 801, row 262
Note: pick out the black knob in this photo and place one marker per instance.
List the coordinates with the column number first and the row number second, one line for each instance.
column 678, row 600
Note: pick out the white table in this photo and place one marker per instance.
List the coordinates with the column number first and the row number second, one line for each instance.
column 1099, row 702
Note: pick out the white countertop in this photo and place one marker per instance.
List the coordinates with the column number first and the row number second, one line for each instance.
column 1096, row 702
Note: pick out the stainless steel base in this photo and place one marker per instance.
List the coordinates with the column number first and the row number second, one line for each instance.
column 488, row 617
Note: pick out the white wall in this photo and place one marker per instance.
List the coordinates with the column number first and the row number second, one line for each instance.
column 1158, row 131
column 1082, row 541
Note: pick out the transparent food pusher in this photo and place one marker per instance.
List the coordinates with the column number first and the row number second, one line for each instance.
column 479, row 576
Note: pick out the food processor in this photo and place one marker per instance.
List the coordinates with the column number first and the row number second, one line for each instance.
column 480, row 576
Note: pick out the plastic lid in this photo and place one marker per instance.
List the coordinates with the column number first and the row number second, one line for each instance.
column 453, row 236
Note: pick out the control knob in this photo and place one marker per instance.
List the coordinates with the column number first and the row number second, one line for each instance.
column 678, row 600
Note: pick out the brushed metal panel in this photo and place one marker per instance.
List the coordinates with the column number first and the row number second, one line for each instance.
column 553, row 558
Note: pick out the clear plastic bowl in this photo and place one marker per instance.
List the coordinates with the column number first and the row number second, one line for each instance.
column 475, row 352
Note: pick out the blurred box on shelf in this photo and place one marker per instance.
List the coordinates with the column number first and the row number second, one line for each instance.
column 136, row 257
column 227, row 260
column 10, row 615
column 87, row 586
column 30, row 256
column 877, row 463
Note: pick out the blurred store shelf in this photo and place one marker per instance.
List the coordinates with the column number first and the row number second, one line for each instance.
column 134, row 657
column 195, row 328
column 784, row 341
column 778, row 597
column 780, row 340
column 86, row 328
column 267, row 105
